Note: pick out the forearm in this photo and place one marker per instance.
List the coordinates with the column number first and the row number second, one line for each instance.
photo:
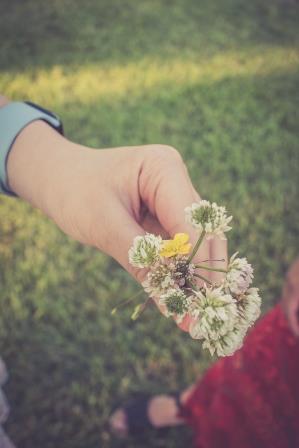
column 36, row 162
column 35, row 159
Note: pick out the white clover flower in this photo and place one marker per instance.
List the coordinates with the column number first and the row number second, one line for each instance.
column 239, row 275
column 176, row 303
column 215, row 312
column 145, row 250
column 168, row 273
column 183, row 271
column 208, row 217
column 248, row 312
column 250, row 306
column 226, row 345
column 159, row 279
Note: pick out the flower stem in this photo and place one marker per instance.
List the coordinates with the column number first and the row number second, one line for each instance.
column 125, row 302
column 199, row 266
column 140, row 308
column 193, row 286
column 203, row 278
column 196, row 247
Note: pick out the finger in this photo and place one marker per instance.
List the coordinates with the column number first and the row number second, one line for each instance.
column 167, row 192
column 120, row 233
column 120, row 241
column 186, row 322
column 218, row 251
column 150, row 224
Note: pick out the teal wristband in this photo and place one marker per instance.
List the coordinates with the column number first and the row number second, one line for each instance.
column 13, row 119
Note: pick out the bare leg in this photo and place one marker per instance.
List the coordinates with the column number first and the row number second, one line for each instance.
column 162, row 411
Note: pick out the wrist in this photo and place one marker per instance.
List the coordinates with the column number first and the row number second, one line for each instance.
column 35, row 160
column 3, row 101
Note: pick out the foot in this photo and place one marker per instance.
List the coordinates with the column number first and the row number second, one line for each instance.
column 162, row 411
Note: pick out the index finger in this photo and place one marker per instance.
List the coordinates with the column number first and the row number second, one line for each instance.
column 166, row 188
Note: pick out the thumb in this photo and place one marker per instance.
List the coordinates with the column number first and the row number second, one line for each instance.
column 167, row 190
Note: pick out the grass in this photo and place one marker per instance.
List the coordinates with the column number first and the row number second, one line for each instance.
column 219, row 81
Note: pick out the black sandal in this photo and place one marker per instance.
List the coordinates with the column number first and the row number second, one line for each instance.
column 136, row 411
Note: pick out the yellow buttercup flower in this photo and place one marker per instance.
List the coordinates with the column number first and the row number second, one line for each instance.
column 178, row 246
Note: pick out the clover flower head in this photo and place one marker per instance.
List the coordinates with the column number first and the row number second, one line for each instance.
column 176, row 302
column 159, row 279
column 239, row 275
column 183, row 271
column 248, row 312
column 227, row 344
column 207, row 217
column 145, row 250
column 168, row 273
column 250, row 306
column 215, row 313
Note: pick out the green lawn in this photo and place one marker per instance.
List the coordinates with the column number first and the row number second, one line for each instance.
column 217, row 79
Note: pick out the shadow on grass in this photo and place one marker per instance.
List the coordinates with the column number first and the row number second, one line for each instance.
column 44, row 34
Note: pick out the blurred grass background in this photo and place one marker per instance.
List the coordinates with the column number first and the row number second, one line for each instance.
column 216, row 79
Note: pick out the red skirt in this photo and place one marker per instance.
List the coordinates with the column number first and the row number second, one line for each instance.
column 251, row 399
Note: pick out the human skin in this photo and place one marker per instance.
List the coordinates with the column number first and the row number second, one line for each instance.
column 290, row 297
column 104, row 198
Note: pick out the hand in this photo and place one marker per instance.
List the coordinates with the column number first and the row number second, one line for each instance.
column 105, row 198
column 290, row 297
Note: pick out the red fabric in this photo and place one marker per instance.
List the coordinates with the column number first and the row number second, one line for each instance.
column 251, row 399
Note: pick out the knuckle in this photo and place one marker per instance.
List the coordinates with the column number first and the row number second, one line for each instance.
column 166, row 154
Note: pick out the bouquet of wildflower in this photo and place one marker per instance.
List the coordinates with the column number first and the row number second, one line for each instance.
column 220, row 313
